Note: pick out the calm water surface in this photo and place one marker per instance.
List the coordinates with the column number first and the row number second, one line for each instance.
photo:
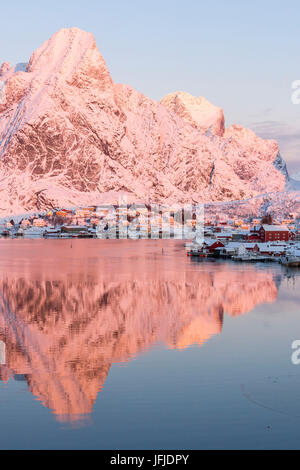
column 108, row 344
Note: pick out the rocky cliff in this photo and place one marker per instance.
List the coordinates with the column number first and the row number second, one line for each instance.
column 70, row 136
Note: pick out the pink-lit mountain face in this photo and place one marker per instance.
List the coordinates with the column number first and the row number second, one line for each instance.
column 69, row 136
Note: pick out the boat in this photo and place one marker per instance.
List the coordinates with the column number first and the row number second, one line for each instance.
column 291, row 261
column 200, row 254
column 34, row 232
column 52, row 232
column 6, row 233
column 83, row 235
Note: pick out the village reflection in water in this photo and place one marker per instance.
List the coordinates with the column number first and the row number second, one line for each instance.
column 68, row 312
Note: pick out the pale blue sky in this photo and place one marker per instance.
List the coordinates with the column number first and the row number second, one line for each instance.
column 242, row 56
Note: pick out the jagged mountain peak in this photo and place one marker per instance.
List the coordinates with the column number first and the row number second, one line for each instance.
column 70, row 54
column 198, row 112
column 5, row 67
column 69, row 136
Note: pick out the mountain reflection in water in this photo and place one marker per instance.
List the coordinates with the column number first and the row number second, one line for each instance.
column 69, row 310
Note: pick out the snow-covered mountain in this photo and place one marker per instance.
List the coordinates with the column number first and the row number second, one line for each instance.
column 198, row 112
column 70, row 136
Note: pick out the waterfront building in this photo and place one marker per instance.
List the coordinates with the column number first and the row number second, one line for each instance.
column 273, row 233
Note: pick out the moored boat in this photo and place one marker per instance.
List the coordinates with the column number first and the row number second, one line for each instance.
column 52, row 232
column 291, row 261
column 6, row 233
column 19, row 232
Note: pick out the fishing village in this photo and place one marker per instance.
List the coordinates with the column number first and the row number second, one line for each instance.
column 238, row 239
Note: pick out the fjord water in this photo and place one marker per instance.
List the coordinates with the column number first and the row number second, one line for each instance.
column 109, row 344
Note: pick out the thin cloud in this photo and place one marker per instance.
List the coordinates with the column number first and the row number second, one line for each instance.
column 260, row 114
